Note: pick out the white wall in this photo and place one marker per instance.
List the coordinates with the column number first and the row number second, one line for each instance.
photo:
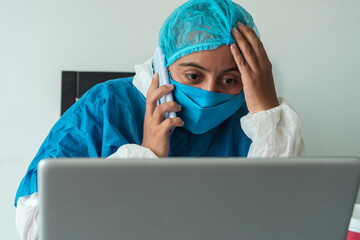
column 314, row 47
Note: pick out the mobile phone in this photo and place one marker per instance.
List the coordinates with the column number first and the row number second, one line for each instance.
column 159, row 67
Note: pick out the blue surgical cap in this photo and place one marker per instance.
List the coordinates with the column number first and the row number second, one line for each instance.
column 200, row 25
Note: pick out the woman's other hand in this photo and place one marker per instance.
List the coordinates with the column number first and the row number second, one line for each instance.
column 156, row 129
column 255, row 68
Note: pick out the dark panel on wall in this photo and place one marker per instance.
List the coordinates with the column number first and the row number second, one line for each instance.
column 68, row 90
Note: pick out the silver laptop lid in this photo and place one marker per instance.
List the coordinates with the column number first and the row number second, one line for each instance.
column 197, row 198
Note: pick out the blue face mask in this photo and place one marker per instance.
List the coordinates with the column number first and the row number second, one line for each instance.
column 204, row 110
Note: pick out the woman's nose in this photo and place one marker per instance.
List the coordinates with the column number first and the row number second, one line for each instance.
column 211, row 85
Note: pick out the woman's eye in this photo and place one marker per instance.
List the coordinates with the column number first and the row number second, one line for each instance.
column 192, row 76
column 229, row 81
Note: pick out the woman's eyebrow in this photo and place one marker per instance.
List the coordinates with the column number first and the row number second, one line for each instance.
column 231, row 69
column 191, row 64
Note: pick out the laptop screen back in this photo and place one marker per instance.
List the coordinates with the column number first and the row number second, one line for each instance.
column 197, row 198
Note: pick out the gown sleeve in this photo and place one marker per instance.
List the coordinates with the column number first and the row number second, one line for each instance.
column 27, row 217
column 75, row 134
column 275, row 132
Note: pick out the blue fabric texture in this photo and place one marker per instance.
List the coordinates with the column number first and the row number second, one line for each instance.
column 200, row 25
column 203, row 110
column 110, row 115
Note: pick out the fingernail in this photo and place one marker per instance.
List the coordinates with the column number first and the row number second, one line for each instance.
column 169, row 85
column 233, row 45
column 240, row 24
column 234, row 30
column 179, row 106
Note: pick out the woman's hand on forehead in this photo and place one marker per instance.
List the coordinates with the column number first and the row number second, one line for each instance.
column 255, row 68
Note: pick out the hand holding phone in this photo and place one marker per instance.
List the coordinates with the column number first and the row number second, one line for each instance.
column 159, row 104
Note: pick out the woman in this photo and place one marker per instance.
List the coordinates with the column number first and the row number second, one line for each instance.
column 220, row 76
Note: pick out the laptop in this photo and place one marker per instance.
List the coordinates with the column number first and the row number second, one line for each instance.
column 197, row 198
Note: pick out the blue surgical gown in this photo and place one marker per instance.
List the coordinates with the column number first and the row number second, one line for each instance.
column 110, row 115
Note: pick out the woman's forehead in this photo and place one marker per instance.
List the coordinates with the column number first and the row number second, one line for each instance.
column 218, row 58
